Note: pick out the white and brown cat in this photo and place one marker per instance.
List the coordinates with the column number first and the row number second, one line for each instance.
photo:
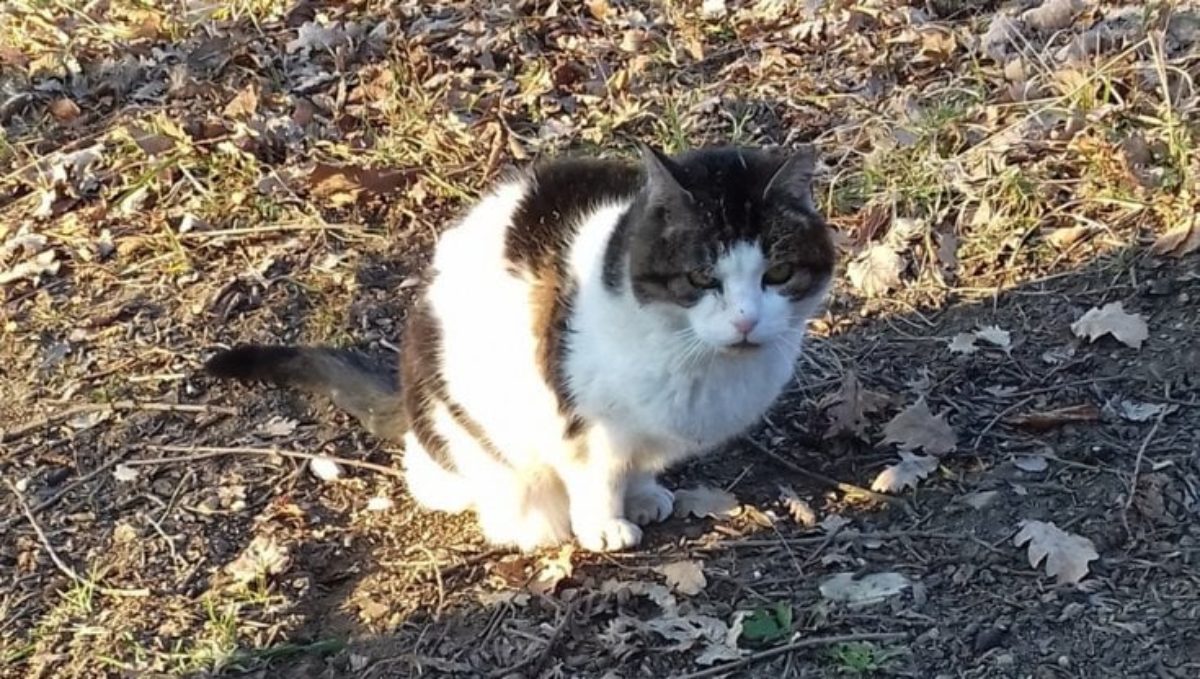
column 585, row 325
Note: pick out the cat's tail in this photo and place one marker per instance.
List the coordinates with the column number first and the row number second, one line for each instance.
column 347, row 378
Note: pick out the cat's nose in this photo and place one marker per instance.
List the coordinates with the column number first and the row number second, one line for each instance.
column 745, row 324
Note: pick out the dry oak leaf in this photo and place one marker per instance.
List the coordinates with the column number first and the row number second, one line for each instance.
column 244, row 104
column 916, row 427
column 263, row 556
column 876, row 270
column 685, row 577
column 64, row 110
column 1067, row 555
column 552, row 570
column 800, row 511
column 1112, row 319
column 849, row 406
column 704, row 501
column 1179, row 241
column 904, row 474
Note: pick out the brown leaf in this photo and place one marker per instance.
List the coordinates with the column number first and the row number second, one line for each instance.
column 1179, row 241
column 685, row 577
column 1049, row 419
column 800, row 511
column 244, row 104
column 877, row 270
column 150, row 143
column 552, row 570
column 704, row 501
column 64, row 110
column 916, row 427
column 849, row 406
column 599, row 9
column 1067, row 236
column 344, row 184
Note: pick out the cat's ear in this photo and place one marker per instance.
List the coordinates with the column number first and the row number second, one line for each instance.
column 662, row 176
column 794, row 177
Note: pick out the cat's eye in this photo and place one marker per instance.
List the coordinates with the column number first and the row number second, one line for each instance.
column 779, row 274
column 703, row 279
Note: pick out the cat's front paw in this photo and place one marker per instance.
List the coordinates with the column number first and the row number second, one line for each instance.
column 649, row 503
column 609, row 535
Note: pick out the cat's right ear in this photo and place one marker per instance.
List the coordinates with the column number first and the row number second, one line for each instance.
column 662, row 176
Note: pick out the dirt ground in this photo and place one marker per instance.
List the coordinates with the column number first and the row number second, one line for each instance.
column 173, row 181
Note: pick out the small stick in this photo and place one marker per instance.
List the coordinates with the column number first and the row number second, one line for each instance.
column 849, row 488
column 1137, row 470
column 62, row 566
column 718, row 670
column 53, row 499
column 205, row 452
column 46, row 421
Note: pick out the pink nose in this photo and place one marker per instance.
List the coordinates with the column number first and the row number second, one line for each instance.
column 745, row 325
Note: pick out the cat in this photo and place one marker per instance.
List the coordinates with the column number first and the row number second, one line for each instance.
column 587, row 324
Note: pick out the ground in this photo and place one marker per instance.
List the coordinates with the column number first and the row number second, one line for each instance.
column 174, row 181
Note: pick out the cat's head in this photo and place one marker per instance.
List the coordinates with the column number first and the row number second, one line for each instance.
column 726, row 242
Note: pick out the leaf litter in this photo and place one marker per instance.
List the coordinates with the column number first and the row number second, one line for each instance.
column 1066, row 555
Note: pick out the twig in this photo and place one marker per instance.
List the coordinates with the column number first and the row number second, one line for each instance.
column 205, row 452
column 53, row 499
column 848, row 488
column 1137, row 470
column 46, row 421
column 848, row 536
column 535, row 661
column 718, row 670
column 62, row 566
column 997, row 418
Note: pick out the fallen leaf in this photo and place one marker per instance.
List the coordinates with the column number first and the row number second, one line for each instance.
column 834, row 523
column 704, row 501
column 963, row 343
column 553, row 570
column 1067, row 555
column 905, row 473
column 324, row 468
column 1031, row 463
column 64, row 110
column 1112, row 319
column 1067, row 236
column 379, row 503
column 1049, row 419
column 345, row 184
column 800, row 511
column 1054, row 15
column 244, row 104
column 916, row 427
column 713, row 9
column 869, row 589
column 278, row 426
column 995, row 336
column 263, row 556
column 1001, row 38
column 45, row 263
column 125, row 473
column 1179, row 241
column 849, row 406
column 1144, row 412
column 599, row 9
column 685, row 577
column 877, row 270
column 981, row 499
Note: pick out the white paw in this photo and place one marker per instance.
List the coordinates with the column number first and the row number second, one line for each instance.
column 609, row 535
column 649, row 504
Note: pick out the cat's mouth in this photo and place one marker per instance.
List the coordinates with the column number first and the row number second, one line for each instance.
column 742, row 346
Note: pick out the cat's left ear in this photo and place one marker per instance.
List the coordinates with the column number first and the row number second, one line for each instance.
column 662, row 175
column 794, row 177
